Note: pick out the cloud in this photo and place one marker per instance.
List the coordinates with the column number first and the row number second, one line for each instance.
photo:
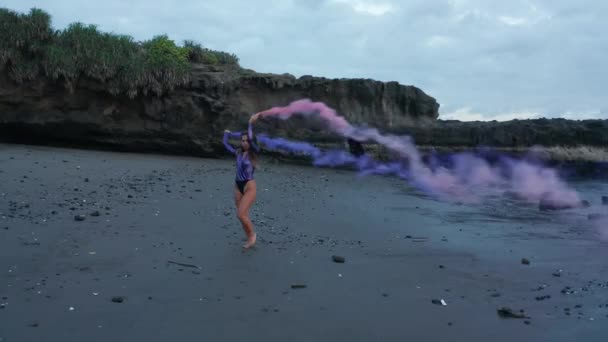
column 438, row 41
column 513, row 21
column 466, row 114
column 373, row 8
column 492, row 57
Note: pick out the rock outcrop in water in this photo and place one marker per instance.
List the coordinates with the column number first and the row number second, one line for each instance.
column 190, row 119
column 512, row 134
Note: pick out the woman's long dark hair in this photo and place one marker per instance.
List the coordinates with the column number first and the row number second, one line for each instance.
column 251, row 154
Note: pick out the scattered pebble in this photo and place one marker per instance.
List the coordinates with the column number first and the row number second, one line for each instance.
column 506, row 312
column 439, row 302
column 118, row 299
column 525, row 261
column 338, row 259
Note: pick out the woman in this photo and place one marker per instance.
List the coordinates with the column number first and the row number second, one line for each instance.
column 245, row 187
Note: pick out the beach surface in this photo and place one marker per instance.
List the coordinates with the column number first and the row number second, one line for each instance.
column 103, row 246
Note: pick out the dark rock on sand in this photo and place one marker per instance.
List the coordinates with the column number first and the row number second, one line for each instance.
column 338, row 259
column 605, row 200
column 438, row 302
column 118, row 299
column 567, row 290
column 525, row 261
column 506, row 312
column 95, row 213
column 79, row 218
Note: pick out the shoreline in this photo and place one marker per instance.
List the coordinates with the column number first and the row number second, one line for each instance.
column 571, row 162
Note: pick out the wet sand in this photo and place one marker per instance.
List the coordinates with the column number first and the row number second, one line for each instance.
column 158, row 257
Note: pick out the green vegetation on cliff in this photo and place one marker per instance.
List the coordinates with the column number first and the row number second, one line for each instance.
column 31, row 48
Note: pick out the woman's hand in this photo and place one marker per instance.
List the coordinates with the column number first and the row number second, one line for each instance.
column 254, row 118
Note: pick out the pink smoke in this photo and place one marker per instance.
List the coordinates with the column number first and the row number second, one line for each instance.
column 463, row 181
column 306, row 107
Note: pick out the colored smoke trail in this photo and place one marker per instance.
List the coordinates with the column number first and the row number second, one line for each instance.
column 464, row 180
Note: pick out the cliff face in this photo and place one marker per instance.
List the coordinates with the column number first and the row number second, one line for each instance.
column 191, row 119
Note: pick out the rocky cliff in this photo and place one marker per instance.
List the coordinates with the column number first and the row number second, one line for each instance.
column 191, row 119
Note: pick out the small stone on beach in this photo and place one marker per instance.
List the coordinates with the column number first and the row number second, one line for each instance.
column 338, row 259
column 506, row 312
column 118, row 299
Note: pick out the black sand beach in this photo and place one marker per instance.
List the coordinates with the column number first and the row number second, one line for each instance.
column 156, row 256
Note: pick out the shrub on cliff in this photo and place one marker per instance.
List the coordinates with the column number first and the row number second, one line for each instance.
column 22, row 39
column 198, row 54
column 30, row 48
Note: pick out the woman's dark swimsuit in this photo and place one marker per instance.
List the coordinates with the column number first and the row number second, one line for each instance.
column 244, row 167
column 241, row 186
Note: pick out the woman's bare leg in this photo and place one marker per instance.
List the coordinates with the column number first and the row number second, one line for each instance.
column 243, row 212
column 237, row 197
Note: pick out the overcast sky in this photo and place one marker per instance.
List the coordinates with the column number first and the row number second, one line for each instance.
column 481, row 60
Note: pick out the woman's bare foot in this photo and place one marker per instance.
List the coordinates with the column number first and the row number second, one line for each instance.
column 250, row 241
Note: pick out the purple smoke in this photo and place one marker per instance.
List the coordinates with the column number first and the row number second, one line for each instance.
column 465, row 180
